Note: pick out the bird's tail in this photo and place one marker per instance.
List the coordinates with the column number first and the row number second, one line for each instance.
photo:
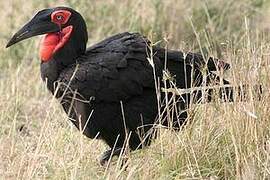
column 194, row 78
column 191, row 79
column 191, row 59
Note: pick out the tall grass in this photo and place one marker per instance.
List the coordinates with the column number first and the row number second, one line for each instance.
column 222, row 140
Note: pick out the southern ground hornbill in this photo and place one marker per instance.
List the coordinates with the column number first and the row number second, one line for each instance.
column 111, row 90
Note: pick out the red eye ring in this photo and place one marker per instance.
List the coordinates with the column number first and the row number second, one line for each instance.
column 60, row 17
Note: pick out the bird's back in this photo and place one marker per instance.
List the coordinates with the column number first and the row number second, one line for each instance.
column 112, row 70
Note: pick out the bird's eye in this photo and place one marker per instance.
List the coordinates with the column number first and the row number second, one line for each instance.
column 59, row 17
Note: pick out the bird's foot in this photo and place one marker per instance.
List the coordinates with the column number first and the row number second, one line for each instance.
column 107, row 155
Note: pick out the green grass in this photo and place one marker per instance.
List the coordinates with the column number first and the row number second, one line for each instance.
column 222, row 141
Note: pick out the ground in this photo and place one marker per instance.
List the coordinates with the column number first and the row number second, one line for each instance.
column 221, row 141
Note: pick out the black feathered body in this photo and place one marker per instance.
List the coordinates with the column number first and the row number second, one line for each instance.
column 110, row 91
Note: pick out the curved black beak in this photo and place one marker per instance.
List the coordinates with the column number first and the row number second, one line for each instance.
column 37, row 26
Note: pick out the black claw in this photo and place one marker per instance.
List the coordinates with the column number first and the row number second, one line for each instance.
column 107, row 155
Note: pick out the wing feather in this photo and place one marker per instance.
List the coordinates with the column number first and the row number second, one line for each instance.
column 111, row 70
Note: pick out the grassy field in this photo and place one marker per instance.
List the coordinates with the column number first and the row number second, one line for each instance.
column 222, row 141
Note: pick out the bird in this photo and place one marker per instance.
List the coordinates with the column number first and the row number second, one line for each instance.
column 115, row 90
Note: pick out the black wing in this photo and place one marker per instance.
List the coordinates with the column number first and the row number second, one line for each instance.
column 118, row 68
column 112, row 70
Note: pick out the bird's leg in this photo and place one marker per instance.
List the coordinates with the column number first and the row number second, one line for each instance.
column 107, row 155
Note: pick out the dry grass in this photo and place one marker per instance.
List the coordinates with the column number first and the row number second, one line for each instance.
column 222, row 141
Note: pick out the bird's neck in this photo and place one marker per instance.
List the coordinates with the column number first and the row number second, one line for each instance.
column 49, row 74
column 50, row 70
column 51, row 43
column 65, row 51
column 63, row 47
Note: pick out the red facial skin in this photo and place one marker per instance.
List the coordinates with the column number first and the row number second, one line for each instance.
column 52, row 42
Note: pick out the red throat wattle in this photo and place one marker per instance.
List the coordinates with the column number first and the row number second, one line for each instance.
column 52, row 42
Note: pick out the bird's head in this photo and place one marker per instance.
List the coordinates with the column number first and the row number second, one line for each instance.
column 64, row 28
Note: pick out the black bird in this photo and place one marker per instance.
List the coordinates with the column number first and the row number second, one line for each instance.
column 111, row 90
